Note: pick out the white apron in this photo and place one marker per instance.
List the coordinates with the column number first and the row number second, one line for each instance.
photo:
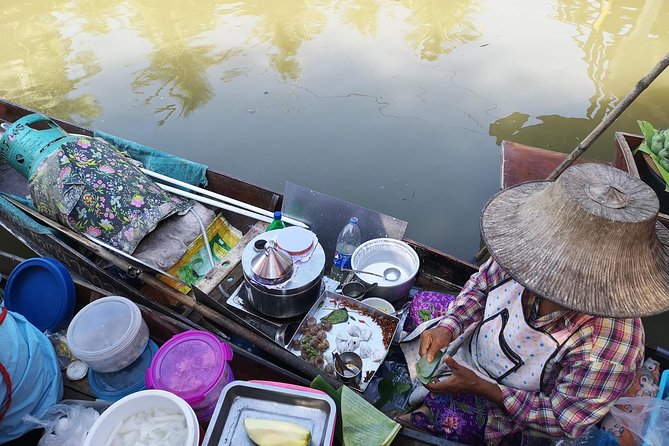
column 504, row 348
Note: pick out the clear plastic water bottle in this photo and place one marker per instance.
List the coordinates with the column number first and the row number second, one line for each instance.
column 347, row 241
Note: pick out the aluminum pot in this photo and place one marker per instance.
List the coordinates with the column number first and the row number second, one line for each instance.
column 378, row 254
column 288, row 299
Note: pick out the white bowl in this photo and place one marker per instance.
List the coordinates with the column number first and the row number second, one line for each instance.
column 141, row 401
column 380, row 304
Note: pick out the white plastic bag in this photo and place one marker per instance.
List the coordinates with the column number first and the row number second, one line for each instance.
column 65, row 424
column 647, row 418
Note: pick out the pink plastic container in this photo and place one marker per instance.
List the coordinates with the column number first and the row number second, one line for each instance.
column 194, row 366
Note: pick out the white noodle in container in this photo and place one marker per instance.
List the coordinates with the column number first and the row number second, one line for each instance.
column 108, row 334
column 152, row 417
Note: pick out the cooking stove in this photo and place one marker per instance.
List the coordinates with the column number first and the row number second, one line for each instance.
column 278, row 330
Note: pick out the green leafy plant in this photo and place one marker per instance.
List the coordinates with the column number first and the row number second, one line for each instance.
column 656, row 145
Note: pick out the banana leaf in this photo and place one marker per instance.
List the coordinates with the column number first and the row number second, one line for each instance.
column 656, row 159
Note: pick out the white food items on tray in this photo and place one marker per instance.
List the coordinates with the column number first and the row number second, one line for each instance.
column 153, row 427
column 365, row 350
column 365, row 334
column 354, row 330
column 377, row 355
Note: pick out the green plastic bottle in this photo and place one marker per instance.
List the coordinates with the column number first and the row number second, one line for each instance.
column 277, row 223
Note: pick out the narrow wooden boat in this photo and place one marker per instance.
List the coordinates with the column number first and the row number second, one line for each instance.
column 439, row 271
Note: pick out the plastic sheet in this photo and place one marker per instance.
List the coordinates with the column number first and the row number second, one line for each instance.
column 647, row 418
column 64, row 424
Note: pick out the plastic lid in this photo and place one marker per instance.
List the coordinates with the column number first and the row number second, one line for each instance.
column 115, row 385
column 76, row 370
column 295, row 240
column 103, row 328
column 42, row 290
column 189, row 365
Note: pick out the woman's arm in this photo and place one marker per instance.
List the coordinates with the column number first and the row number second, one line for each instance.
column 469, row 306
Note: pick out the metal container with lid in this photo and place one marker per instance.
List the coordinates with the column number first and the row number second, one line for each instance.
column 281, row 299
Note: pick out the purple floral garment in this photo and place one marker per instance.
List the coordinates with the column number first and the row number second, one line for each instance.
column 94, row 189
column 427, row 305
column 459, row 418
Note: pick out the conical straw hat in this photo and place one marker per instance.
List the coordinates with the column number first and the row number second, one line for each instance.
column 589, row 241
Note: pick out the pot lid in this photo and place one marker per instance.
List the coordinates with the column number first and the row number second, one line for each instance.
column 272, row 264
column 306, row 271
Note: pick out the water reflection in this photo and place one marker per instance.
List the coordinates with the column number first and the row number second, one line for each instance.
column 610, row 35
column 40, row 67
column 437, row 27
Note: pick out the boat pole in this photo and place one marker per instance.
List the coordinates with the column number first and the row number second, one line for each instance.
column 226, row 324
column 226, row 202
column 611, row 117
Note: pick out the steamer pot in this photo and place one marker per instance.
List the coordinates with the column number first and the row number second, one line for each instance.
column 291, row 298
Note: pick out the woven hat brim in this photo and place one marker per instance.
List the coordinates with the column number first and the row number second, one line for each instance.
column 575, row 272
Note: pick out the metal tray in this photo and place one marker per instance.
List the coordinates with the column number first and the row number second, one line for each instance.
column 359, row 314
column 240, row 400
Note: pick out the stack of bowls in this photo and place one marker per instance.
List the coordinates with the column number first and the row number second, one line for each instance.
column 194, row 366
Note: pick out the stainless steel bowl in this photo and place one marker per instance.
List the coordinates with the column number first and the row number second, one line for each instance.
column 378, row 254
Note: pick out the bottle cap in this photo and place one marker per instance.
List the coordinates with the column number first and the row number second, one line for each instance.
column 277, row 215
column 354, row 220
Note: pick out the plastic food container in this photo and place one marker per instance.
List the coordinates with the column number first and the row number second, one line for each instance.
column 193, row 365
column 108, row 334
column 115, row 385
column 42, row 290
column 140, row 402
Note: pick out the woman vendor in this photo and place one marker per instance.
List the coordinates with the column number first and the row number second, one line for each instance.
column 548, row 329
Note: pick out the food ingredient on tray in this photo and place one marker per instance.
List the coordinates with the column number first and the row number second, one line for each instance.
column 425, row 369
column 337, row 316
column 265, row 432
column 159, row 427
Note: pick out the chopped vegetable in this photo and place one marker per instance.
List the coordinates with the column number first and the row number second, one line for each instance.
column 152, row 427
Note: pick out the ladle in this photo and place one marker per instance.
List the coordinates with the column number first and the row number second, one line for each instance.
column 355, row 290
column 391, row 274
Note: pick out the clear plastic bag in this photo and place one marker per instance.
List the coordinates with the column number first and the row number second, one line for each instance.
column 647, row 418
column 64, row 424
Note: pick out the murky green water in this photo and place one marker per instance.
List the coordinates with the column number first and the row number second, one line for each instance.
column 399, row 106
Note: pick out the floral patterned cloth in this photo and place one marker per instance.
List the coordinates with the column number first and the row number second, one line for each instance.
column 427, row 305
column 91, row 187
column 459, row 418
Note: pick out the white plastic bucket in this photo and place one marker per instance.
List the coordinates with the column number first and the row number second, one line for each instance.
column 139, row 402
column 108, row 334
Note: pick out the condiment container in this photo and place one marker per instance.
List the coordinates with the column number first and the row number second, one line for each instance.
column 193, row 365
column 130, row 405
column 108, row 334
column 115, row 385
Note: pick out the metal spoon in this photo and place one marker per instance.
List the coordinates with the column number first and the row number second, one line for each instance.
column 342, row 365
column 391, row 274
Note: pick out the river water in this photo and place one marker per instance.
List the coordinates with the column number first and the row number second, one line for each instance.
column 399, row 106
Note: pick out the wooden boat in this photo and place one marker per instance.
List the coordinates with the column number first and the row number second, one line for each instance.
column 439, row 272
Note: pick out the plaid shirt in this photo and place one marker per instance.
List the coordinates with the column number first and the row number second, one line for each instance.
column 592, row 369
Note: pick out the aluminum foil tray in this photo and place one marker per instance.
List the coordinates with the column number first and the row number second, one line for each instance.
column 240, row 400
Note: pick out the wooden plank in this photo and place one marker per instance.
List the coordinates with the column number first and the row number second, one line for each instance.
column 522, row 163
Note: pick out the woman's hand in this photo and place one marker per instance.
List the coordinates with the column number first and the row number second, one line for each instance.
column 464, row 380
column 433, row 340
